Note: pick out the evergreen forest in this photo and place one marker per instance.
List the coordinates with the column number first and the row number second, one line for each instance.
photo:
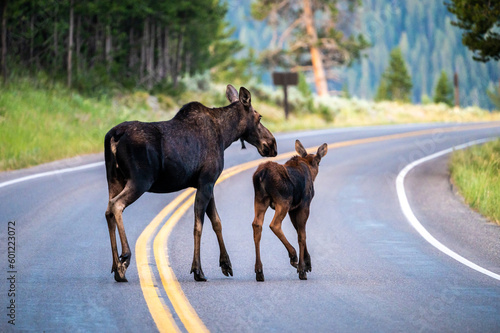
column 421, row 29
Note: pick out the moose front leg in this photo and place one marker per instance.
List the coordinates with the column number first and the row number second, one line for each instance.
column 203, row 195
column 224, row 262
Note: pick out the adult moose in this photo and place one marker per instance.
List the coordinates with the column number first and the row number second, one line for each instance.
column 168, row 156
column 288, row 189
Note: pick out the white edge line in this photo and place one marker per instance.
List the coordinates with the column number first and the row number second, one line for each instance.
column 407, row 211
column 50, row 173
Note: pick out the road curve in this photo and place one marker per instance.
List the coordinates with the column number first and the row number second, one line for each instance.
column 371, row 270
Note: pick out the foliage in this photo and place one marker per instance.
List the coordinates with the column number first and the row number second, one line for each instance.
column 303, row 86
column 423, row 30
column 444, row 90
column 475, row 172
column 396, row 82
column 480, row 22
column 125, row 44
column 295, row 34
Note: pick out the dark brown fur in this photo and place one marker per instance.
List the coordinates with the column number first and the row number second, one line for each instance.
column 288, row 189
column 168, row 156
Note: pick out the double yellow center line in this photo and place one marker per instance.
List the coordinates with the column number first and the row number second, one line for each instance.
column 158, row 308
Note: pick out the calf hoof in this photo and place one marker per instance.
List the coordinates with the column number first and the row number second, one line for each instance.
column 225, row 266
column 294, row 261
column 259, row 276
column 303, row 275
column 198, row 275
column 120, row 273
column 308, row 267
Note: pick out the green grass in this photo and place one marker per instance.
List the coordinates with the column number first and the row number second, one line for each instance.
column 38, row 125
column 475, row 172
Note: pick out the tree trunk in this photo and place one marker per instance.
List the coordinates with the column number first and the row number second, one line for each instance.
column 316, row 58
column 166, row 54
column 78, row 44
column 32, row 39
column 160, row 66
column 457, row 95
column 132, row 56
column 177, row 61
column 144, row 41
column 70, row 43
column 4, row 40
column 151, row 55
column 107, row 48
column 56, row 44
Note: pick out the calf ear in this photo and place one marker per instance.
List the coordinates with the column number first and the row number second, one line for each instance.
column 231, row 94
column 300, row 149
column 322, row 150
column 245, row 97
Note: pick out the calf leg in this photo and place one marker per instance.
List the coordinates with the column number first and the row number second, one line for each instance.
column 203, row 196
column 131, row 192
column 307, row 258
column 299, row 219
column 275, row 225
column 224, row 262
column 260, row 211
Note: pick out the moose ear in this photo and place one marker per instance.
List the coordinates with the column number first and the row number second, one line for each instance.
column 322, row 150
column 300, row 149
column 231, row 94
column 245, row 97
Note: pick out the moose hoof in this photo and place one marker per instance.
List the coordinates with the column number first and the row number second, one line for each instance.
column 226, row 268
column 225, row 265
column 125, row 259
column 259, row 276
column 198, row 275
column 120, row 273
column 303, row 275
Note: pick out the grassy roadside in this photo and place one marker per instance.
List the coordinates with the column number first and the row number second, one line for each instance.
column 475, row 172
column 39, row 125
column 43, row 121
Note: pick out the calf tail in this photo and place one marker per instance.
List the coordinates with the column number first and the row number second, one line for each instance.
column 259, row 178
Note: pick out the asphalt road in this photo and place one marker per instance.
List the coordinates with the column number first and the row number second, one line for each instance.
column 371, row 271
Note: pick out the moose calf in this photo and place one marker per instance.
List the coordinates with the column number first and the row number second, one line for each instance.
column 288, row 189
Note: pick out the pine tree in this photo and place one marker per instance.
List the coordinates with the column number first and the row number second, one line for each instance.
column 444, row 90
column 315, row 37
column 396, row 82
column 479, row 21
column 382, row 93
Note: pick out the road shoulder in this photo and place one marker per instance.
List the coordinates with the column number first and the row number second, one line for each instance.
column 443, row 212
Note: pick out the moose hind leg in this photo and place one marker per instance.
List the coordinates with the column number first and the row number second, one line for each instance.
column 224, row 261
column 127, row 196
column 112, row 236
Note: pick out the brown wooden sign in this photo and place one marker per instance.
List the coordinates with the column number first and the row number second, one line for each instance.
column 285, row 79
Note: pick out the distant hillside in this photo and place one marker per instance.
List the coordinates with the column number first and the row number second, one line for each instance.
column 423, row 31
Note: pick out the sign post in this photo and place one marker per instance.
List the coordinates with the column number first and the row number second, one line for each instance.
column 285, row 79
